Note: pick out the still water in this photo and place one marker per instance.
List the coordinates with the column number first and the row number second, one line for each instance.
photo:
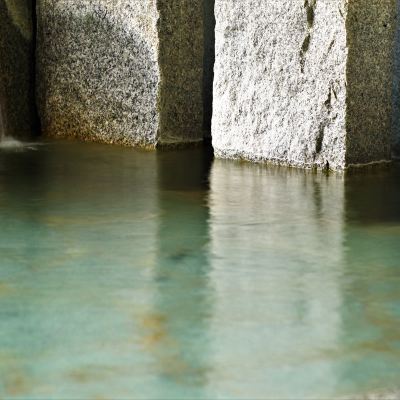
column 128, row 274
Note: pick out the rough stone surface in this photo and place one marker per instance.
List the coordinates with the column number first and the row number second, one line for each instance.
column 121, row 71
column 17, row 99
column 304, row 82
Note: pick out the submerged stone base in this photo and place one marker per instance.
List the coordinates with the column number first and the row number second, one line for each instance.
column 123, row 71
column 304, row 82
column 17, row 98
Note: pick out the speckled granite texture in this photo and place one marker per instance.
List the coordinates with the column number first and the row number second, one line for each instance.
column 304, row 82
column 17, row 99
column 121, row 71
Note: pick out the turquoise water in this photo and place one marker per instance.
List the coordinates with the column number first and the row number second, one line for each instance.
column 127, row 274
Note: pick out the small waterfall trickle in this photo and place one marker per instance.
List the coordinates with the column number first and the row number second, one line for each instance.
column 7, row 142
column 2, row 129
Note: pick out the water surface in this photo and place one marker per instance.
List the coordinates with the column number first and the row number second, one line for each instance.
column 129, row 274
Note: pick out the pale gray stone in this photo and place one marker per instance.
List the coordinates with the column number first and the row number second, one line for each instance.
column 121, row 71
column 304, row 82
column 17, row 99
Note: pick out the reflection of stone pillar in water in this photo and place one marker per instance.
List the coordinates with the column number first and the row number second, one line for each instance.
column 277, row 246
column 177, row 325
column 371, row 317
column 126, row 72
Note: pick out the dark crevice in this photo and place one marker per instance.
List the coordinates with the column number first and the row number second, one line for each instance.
column 304, row 48
column 208, row 64
column 321, row 129
column 334, row 93
column 320, row 138
column 328, row 102
column 36, row 119
column 306, row 44
column 309, row 5
column 330, row 46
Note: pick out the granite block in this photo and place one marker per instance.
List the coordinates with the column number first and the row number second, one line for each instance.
column 306, row 83
column 123, row 71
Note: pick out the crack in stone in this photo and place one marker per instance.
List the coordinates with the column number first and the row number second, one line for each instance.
column 320, row 138
column 310, row 6
column 330, row 46
column 323, row 125
column 328, row 102
column 304, row 48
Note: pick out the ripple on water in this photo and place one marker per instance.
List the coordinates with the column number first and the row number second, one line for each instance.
column 9, row 143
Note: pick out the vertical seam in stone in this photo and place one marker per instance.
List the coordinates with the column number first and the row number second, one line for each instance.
column 36, row 122
column 161, row 77
column 324, row 123
column 344, row 16
column 396, row 90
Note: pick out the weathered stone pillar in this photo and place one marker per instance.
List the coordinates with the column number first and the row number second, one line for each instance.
column 121, row 71
column 17, row 94
column 304, row 82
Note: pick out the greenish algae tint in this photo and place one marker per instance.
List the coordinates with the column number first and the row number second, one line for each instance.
column 127, row 274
